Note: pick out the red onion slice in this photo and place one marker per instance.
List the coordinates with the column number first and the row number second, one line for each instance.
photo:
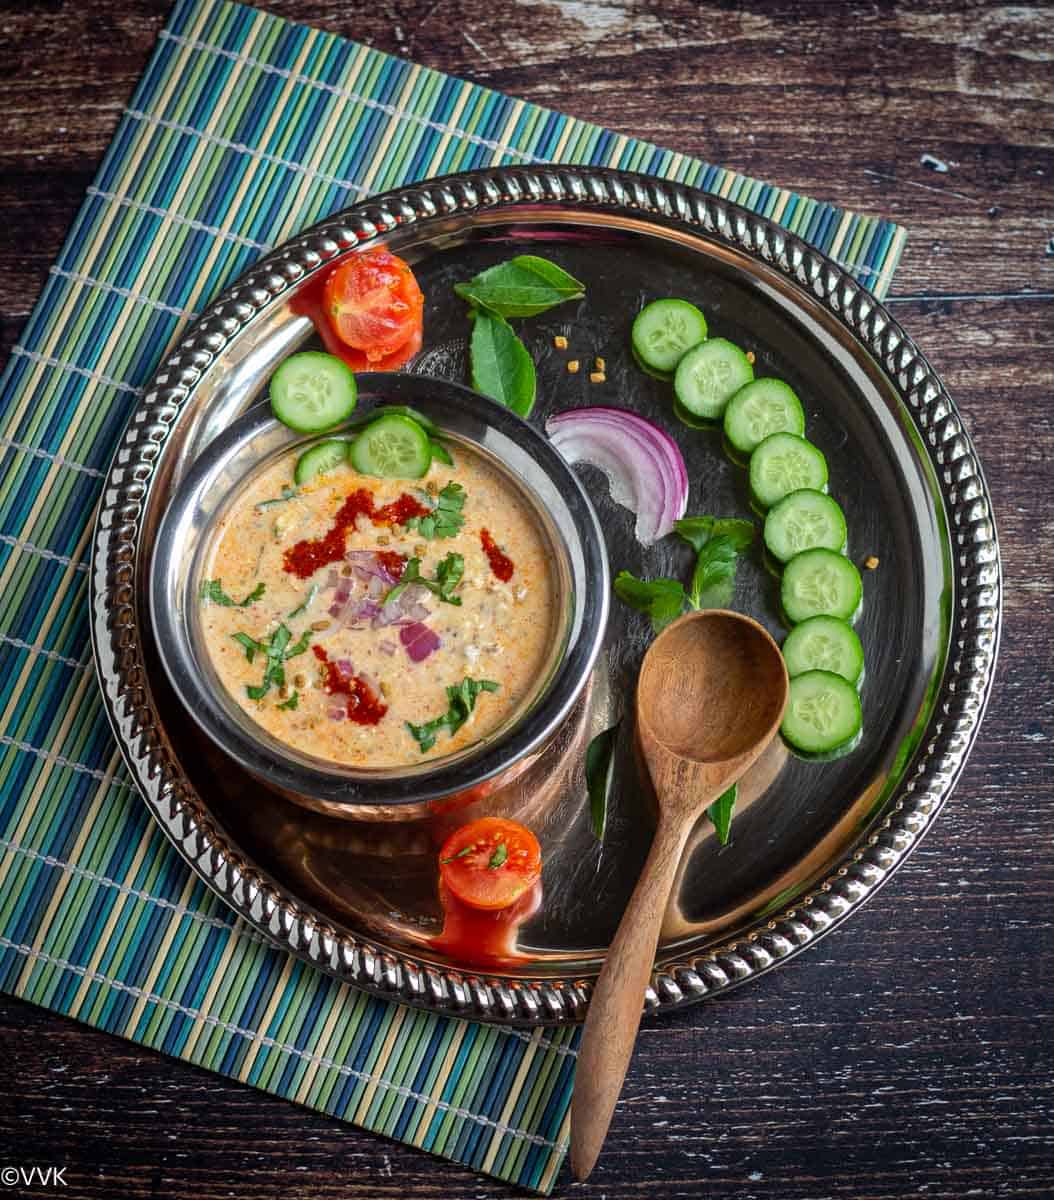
column 643, row 464
column 419, row 641
column 367, row 564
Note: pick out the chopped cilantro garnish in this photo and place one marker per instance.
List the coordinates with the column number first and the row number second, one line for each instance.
column 460, row 854
column 446, row 518
column 278, row 651
column 292, row 702
column 308, row 601
column 212, row 590
column 499, row 857
column 287, row 494
column 447, row 577
column 461, row 700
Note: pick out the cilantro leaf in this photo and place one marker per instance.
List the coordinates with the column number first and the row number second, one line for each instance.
column 448, row 576
column 720, row 813
column 461, row 700
column 287, row 494
column 499, row 857
column 460, row 854
column 212, row 590
column 292, row 702
column 446, row 518
column 277, row 650
column 661, row 599
column 250, row 645
column 308, row 601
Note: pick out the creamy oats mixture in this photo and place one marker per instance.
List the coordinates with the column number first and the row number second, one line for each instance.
column 328, row 660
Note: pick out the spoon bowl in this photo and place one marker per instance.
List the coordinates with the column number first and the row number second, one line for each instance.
column 710, row 687
column 710, row 698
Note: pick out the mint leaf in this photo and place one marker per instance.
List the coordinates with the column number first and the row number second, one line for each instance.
column 461, row 700
column 720, row 813
column 661, row 599
column 522, row 287
column 695, row 530
column 714, row 576
column 600, row 773
column 212, row 590
column 501, row 366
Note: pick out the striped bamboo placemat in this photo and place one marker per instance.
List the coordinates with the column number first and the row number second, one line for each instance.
column 244, row 129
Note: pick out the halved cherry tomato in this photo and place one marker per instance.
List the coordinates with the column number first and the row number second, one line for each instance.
column 373, row 303
column 490, row 863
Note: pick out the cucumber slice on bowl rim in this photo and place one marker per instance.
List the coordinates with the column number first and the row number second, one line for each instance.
column 320, row 459
column 392, row 447
column 312, row 392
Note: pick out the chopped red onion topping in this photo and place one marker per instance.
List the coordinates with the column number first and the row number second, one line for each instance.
column 419, row 641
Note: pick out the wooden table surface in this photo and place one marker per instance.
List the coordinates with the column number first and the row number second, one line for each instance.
column 909, row 1054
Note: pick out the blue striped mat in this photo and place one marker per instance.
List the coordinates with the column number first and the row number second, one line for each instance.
column 244, row 130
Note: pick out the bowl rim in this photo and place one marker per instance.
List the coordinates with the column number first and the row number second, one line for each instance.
column 333, row 783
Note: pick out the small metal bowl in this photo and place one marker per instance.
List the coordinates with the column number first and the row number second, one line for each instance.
column 565, row 517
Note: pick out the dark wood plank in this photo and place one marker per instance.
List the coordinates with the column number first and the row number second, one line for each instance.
column 910, row 1054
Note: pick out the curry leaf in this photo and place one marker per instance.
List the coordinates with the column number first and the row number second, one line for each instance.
column 720, row 813
column 501, row 366
column 600, row 773
column 522, row 287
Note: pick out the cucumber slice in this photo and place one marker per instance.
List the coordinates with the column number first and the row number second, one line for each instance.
column 784, row 463
column 322, row 458
column 760, row 409
column 820, row 583
column 664, row 330
column 392, row 447
column 824, row 644
column 802, row 521
column 709, row 376
column 663, row 376
column 823, row 713
column 311, row 392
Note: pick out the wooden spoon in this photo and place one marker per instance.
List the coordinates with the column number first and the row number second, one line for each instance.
column 710, row 697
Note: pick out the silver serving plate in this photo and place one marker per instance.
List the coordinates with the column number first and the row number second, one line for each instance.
column 811, row 841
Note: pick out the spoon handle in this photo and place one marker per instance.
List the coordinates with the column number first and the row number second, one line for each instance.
column 616, row 1006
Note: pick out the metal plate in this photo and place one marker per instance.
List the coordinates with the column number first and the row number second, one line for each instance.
column 810, row 842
